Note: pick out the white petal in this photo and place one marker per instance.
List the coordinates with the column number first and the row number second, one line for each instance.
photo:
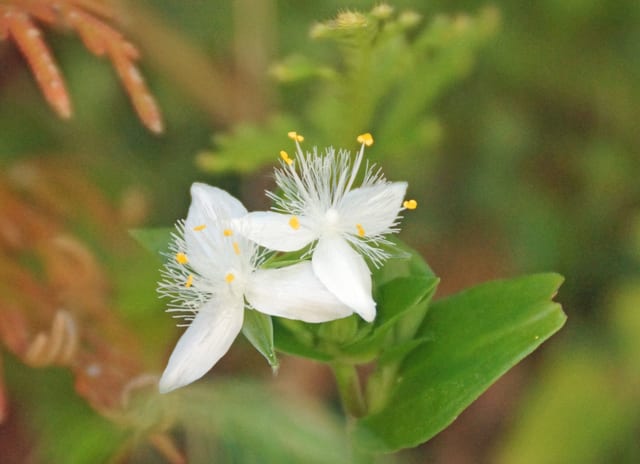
column 275, row 231
column 208, row 203
column 375, row 208
column 345, row 274
column 294, row 292
column 211, row 209
column 206, row 340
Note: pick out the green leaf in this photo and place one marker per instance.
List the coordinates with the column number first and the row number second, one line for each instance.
column 474, row 338
column 396, row 299
column 155, row 240
column 258, row 329
column 408, row 263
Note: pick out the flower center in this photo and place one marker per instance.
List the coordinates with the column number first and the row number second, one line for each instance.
column 332, row 217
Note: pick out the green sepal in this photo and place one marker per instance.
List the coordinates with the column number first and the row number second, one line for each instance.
column 258, row 329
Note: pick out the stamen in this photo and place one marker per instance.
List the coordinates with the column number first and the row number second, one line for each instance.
column 227, row 232
column 410, row 204
column 360, row 230
column 294, row 223
column 189, row 281
column 285, row 157
column 200, row 227
column 181, row 258
column 366, row 139
column 295, row 136
column 236, row 248
column 229, row 278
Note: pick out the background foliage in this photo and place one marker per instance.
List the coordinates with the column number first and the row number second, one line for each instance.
column 514, row 123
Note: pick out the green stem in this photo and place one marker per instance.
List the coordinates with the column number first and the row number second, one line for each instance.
column 350, row 389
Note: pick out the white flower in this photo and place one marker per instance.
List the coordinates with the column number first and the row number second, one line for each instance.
column 213, row 271
column 317, row 204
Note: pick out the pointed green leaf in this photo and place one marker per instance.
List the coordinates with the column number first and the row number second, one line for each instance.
column 473, row 338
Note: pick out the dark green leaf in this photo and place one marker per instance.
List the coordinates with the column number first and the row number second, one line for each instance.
column 474, row 338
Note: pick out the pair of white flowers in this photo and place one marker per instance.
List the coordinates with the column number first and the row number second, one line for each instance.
column 214, row 271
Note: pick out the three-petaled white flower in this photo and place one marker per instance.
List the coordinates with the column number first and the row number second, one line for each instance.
column 318, row 204
column 213, row 270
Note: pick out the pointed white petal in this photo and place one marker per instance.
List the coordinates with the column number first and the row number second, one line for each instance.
column 281, row 232
column 211, row 209
column 345, row 274
column 208, row 203
column 206, row 340
column 294, row 292
column 375, row 208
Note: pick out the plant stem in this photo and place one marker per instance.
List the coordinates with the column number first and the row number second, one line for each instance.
column 350, row 389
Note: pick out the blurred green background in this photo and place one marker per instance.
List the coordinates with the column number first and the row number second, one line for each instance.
column 523, row 151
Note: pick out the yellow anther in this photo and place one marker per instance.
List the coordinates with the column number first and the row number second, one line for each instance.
column 295, row 136
column 181, row 258
column 229, row 278
column 360, row 230
column 200, row 227
column 189, row 281
column 236, row 248
column 285, row 157
column 294, row 223
column 367, row 139
column 227, row 232
column 410, row 204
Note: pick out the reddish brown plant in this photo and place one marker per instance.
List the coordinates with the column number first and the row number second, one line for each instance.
column 90, row 19
column 56, row 302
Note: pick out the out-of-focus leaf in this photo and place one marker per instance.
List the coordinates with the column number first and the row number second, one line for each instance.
column 474, row 338
column 298, row 67
column 155, row 240
column 248, row 147
column 252, row 424
column 577, row 412
column 625, row 322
